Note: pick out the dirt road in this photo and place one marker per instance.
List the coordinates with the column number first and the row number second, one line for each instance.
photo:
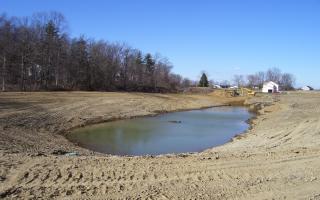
column 279, row 158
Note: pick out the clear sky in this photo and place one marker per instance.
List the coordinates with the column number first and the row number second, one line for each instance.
column 222, row 37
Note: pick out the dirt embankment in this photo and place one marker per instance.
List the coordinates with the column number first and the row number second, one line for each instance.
column 29, row 122
column 278, row 158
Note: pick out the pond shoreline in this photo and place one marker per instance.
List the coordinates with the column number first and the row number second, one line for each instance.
column 230, row 102
column 213, row 131
column 253, row 107
column 41, row 117
column 96, row 122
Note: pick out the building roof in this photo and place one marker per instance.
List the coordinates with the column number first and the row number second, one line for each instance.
column 270, row 83
column 307, row 87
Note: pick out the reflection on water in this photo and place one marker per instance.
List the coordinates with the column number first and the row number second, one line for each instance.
column 188, row 131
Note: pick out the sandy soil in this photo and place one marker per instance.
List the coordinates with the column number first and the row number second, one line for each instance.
column 278, row 158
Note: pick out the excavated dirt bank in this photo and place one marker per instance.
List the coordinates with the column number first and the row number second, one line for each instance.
column 278, row 158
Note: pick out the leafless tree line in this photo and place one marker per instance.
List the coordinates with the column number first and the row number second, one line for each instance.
column 36, row 53
column 285, row 80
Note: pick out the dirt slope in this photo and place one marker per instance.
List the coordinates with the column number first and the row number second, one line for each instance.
column 278, row 159
column 29, row 121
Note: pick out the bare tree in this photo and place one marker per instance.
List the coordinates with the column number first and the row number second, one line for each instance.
column 186, row 83
column 37, row 53
column 239, row 80
column 252, row 80
column 261, row 78
column 6, row 40
column 175, row 81
column 273, row 74
column 212, row 83
column 225, row 83
column 287, row 81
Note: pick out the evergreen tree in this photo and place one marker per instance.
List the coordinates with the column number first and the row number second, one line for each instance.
column 139, row 60
column 204, row 81
column 149, row 62
column 150, row 67
column 50, row 52
column 139, row 68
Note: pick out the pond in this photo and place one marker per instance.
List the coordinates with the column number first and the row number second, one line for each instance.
column 178, row 132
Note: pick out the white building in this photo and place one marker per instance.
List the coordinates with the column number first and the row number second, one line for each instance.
column 234, row 87
column 306, row 88
column 270, row 87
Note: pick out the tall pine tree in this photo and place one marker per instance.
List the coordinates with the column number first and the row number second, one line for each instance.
column 204, row 81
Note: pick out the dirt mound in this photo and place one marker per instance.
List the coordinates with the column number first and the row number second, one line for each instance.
column 198, row 90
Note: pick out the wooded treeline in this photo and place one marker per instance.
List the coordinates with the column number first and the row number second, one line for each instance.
column 36, row 53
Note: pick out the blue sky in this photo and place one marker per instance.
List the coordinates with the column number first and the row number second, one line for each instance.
column 222, row 37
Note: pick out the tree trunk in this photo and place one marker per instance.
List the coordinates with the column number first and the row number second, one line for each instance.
column 57, row 70
column 48, row 72
column 3, row 74
column 22, row 74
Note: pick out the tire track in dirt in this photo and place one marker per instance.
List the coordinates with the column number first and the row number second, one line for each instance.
column 278, row 158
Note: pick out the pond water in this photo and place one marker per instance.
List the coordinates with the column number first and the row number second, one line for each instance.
column 187, row 131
